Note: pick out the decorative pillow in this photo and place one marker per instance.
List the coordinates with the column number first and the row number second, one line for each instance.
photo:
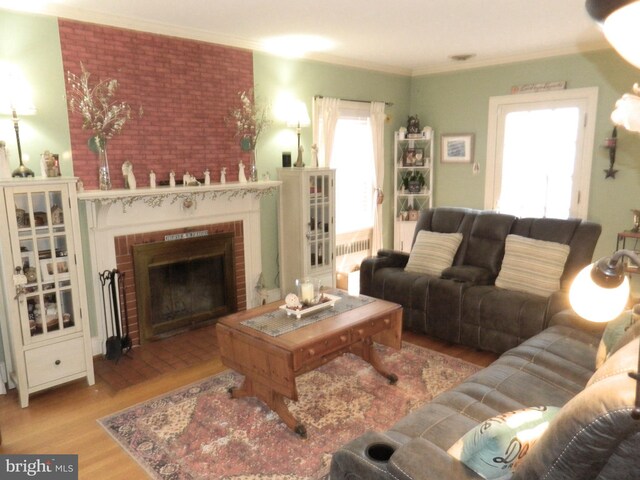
column 612, row 334
column 532, row 266
column 493, row 448
column 433, row 252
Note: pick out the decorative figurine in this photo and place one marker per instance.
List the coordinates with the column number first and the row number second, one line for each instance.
column 172, row 178
column 314, row 155
column 413, row 124
column 152, row 179
column 185, row 179
column 207, row 177
column 223, row 175
column 129, row 177
column 241, row 176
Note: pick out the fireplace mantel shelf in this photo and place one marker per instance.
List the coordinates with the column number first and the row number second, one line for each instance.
column 155, row 197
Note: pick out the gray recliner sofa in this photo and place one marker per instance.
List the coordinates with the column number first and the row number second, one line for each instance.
column 463, row 305
column 592, row 437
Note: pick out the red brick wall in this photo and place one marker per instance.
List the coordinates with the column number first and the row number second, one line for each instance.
column 186, row 89
column 124, row 261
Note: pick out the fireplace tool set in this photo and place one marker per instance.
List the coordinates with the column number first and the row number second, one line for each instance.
column 119, row 342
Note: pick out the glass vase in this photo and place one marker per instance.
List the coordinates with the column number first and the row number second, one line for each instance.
column 104, row 178
column 253, row 169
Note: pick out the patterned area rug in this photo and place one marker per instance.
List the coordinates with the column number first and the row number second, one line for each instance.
column 199, row 432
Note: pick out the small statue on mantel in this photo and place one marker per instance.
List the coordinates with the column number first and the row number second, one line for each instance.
column 172, row 178
column 314, row 155
column 241, row 176
column 129, row 177
column 207, row 177
column 152, row 179
column 223, row 175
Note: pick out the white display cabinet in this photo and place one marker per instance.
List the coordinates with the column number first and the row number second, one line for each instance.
column 46, row 337
column 307, row 227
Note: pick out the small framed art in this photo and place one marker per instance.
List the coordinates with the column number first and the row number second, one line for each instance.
column 456, row 148
column 413, row 157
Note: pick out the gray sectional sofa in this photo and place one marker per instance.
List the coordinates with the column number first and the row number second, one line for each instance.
column 463, row 305
column 592, row 437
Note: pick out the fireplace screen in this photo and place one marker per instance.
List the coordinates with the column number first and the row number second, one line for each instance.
column 183, row 283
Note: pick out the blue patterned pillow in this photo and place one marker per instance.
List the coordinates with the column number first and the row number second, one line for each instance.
column 493, row 448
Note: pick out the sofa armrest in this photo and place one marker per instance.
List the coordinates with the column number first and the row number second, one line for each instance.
column 469, row 274
column 385, row 259
column 419, row 459
column 571, row 319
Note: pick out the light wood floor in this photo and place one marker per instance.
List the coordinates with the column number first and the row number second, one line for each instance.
column 63, row 420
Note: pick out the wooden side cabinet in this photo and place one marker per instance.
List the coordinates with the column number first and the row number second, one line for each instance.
column 307, row 227
column 45, row 333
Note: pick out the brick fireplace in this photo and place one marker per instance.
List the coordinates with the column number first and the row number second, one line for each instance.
column 116, row 220
column 125, row 263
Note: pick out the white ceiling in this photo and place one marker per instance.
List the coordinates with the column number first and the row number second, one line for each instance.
column 401, row 36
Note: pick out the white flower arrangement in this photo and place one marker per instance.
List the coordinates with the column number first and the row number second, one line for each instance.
column 101, row 112
column 249, row 120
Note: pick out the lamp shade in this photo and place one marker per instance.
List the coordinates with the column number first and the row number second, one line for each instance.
column 620, row 20
column 298, row 116
column 14, row 93
column 596, row 303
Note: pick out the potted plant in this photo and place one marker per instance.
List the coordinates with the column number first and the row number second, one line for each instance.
column 413, row 181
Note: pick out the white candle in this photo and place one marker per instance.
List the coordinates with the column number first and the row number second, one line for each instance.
column 306, row 292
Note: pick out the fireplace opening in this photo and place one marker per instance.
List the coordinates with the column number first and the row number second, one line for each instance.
column 183, row 283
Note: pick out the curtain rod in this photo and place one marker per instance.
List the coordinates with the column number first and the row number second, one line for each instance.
column 388, row 104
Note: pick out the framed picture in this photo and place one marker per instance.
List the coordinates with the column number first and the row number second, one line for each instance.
column 413, row 157
column 47, row 266
column 457, row 148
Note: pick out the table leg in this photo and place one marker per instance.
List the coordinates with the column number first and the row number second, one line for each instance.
column 274, row 400
column 364, row 349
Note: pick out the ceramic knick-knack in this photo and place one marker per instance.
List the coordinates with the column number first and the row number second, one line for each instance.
column 207, row 177
column 223, row 175
column 172, row 178
column 152, row 179
column 241, row 177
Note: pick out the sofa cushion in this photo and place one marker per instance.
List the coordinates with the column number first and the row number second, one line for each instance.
column 532, row 266
column 433, row 252
column 494, row 447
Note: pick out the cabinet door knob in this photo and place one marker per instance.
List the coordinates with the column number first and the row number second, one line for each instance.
column 57, row 362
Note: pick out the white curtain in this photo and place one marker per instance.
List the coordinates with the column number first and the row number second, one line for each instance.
column 377, row 134
column 325, row 118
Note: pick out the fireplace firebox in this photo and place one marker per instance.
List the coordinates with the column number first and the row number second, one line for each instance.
column 183, row 283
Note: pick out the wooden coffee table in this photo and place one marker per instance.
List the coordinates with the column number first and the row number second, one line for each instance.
column 271, row 364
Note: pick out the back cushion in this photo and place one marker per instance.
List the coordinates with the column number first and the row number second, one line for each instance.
column 594, row 432
column 486, row 241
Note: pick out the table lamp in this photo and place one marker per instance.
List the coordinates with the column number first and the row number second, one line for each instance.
column 297, row 118
column 600, row 292
column 14, row 99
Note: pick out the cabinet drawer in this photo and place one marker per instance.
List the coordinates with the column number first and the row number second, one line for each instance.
column 370, row 328
column 320, row 348
column 53, row 362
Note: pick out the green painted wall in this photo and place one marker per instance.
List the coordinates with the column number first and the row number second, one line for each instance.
column 275, row 78
column 451, row 103
column 458, row 103
column 31, row 44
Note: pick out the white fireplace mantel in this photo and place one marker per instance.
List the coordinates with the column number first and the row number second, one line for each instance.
column 155, row 209
column 156, row 197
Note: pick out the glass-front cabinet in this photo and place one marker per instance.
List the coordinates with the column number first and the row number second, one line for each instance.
column 44, row 290
column 307, row 239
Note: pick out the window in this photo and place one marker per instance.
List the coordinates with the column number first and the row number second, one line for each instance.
column 353, row 160
column 539, row 153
